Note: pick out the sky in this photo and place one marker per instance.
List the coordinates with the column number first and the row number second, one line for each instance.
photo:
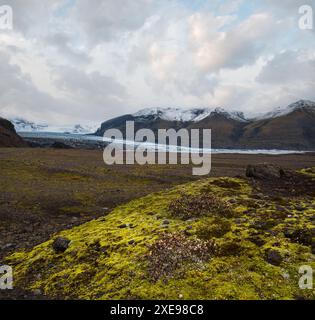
column 78, row 61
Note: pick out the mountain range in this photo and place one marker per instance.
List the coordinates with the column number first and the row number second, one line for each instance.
column 291, row 128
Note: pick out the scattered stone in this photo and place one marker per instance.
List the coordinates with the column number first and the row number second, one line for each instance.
column 180, row 296
column 60, row 245
column 257, row 240
column 274, row 257
column 240, row 220
column 302, row 236
column 286, row 276
column 263, row 225
column 264, row 171
column 281, row 209
column 8, row 246
column 37, row 292
column 276, row 244
column 272, row 232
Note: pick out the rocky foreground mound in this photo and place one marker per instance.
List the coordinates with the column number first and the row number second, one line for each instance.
column 8, row 135
column 222, row 238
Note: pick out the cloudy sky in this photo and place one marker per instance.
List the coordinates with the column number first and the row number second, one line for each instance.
column 78, row 61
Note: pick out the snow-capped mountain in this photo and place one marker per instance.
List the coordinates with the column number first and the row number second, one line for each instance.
column 283, row 111
column 284, row 128
column 190, row 115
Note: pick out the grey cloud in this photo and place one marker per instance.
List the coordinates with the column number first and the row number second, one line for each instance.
column 95, row 94
column 63, row 44
column 103, row 20
column 19, row 96
column 289, row 67
column 92, row 96
column 91, row 84
column 33, row 16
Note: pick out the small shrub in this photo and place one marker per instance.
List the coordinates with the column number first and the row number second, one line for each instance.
column 173, row 252
column 192, row 206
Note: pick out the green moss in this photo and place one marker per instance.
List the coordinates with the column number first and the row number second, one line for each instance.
column 309, row 171
column 106, row 258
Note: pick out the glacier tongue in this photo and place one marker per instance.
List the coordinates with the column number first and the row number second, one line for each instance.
column 27, row 126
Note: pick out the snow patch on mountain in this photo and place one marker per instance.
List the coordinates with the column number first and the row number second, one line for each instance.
column 190, row 115
column 283, row 111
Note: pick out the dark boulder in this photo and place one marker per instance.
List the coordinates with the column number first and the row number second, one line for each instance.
column 60, row 244
column 274, row 257
column 264, row 171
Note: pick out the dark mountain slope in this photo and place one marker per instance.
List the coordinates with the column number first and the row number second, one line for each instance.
column 295, row 130
column 8, row 135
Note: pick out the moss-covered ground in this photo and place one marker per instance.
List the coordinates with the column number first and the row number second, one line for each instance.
column 258, row 248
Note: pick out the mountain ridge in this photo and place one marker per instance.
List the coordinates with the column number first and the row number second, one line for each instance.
column 290, row 128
